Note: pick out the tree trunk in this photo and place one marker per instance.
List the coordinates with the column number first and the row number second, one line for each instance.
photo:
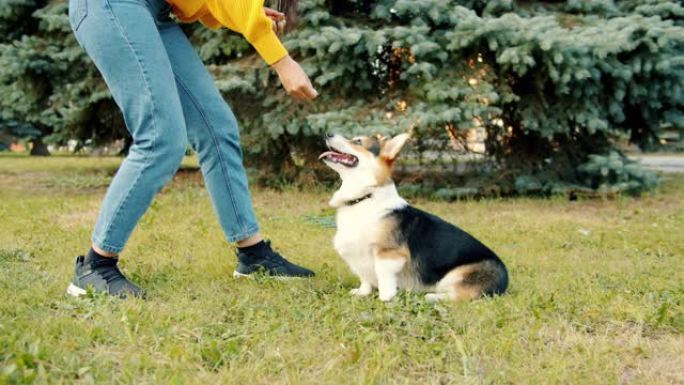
column 39, row 148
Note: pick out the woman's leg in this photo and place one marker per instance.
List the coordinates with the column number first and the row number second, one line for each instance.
column 122, row 39
column 213, row 133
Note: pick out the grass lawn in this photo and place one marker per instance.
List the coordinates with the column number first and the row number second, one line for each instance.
column 596, row 295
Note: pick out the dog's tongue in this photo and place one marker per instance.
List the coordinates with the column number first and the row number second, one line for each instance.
column 327, row 153
column 339, row 157
column 336, row 155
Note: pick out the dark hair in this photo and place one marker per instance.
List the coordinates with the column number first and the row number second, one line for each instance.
column 289, row 8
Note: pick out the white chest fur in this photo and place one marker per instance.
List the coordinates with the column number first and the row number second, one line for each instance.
column 356, row 230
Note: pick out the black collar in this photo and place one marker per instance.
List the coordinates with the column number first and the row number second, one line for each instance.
column 358, row 200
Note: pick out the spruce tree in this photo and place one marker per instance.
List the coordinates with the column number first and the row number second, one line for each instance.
column 51, row 91
column 554, row 84
column 15, row 22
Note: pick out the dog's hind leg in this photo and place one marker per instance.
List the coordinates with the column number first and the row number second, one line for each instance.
column 468, row 282
column 442, row 291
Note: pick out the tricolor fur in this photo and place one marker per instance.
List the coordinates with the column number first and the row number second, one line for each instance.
column 391, row 245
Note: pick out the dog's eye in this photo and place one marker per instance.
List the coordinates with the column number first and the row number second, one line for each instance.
column 357, row 141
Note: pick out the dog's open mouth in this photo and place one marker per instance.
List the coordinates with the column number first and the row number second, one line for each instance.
column 336, row 156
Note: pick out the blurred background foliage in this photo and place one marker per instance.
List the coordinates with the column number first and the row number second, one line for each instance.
column 502, row 97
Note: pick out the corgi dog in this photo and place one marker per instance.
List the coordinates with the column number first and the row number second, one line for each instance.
column 391, row 245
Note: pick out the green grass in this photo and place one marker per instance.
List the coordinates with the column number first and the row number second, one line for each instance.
column 596, row 293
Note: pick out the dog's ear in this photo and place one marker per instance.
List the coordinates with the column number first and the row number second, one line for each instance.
column 391, row 147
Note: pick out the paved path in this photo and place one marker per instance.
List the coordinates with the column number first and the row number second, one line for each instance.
column 665, row 163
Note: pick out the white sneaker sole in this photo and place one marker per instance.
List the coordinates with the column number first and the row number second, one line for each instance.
column 240, row 275
column 75, row 291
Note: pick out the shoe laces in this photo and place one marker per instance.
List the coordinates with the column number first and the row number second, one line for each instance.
column 109, row 270
column 273, row 256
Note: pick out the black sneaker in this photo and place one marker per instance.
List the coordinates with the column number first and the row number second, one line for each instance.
column 102, row 275
column 265, row 259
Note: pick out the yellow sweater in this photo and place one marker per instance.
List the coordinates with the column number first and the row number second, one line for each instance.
column 244, row 16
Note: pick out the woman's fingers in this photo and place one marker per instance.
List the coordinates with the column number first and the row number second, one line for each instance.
column 304, row 93
column 294, row 79
column 309, row 92
column 273, row 14
column 281, row 26
column 297, row 96
column 278, row 26
column 278, row 19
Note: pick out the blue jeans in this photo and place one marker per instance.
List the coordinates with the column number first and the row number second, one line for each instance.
column 168, row 99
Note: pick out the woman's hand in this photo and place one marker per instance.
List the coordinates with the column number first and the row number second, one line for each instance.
column 294, row 80
column 278, row 19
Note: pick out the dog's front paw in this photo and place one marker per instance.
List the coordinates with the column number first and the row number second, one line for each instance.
column 387, row 295
column 362, row 290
